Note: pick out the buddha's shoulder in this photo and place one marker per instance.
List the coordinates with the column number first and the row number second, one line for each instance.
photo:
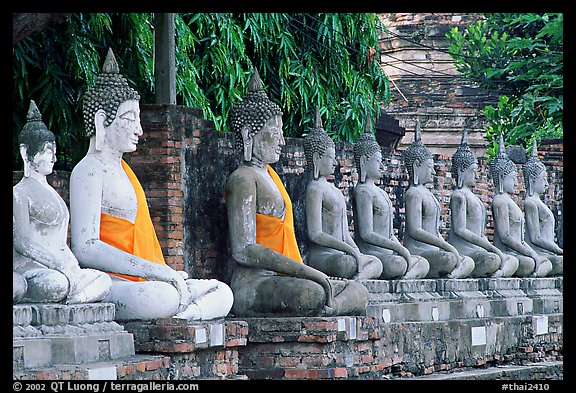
column 243, row 176
column 89, row 165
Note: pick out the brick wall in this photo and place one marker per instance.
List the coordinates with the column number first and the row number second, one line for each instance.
column 183, row 165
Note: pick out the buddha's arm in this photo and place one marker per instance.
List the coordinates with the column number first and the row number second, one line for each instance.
column 414, row 225
column 500, row 211
column 91, row 252
column 458, row 216
column 241, row 207
column 314, row 224
column 365, row 225
column 533, row 228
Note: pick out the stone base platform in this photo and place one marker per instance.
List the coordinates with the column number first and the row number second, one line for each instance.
column 368, row 348
column 451, row 299
column 197, row 349
column 46, row 335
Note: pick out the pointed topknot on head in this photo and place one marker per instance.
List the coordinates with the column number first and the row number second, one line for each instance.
column 368, row 125
column 33, row 112
column 464, row 140
column 255, row 83
column 318, row 119
column 501, row 147
column 110, row 64
column 534, row 148
column 418, row 131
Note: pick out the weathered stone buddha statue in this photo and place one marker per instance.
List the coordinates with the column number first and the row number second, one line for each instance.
column 40, row 229
column 373, row 215
column 268, row 276
column 332, row 248
column 422, row 209
column 112, row 230
column 539, row 230
column 509, row 220
column 467, row 219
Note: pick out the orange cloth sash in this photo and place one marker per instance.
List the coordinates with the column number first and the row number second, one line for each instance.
column 138, row 239
column 277, row 234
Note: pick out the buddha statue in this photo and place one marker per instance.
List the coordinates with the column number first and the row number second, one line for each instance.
column 540, row 223
column 40, row 217
column 332, row 248
column 422, row 211
column 509, row 220
column 468, row 217
column 112, row 230
column 268, row 276
column 373, row 215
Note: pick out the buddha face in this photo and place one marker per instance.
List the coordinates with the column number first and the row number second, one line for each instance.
column 327, row 163
column 267, row 143
column 425, row 171
column 374, row 167
column 123, row 134
column 469, row 175
column 540, row 184
column 509, row 182
column 43, row 161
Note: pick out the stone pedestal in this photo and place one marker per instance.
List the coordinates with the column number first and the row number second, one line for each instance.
column 47, row 335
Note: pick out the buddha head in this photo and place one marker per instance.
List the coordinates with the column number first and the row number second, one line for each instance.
column 464, row 164
column 418, row 160
column 37, row 144
column 110, row 99
column 535, row 178
column 257, row 124
column 368, row 155
column 319, row 150
column 503, row 170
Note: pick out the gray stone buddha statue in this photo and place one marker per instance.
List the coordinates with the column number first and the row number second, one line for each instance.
column 112, row 230
column 509, row 220
column 468, row 217
column 332, row 248
column 540, row 222
column 373, row 215
column 268, row 276
column 19, row 287
column 422, row 209
column 40, row 217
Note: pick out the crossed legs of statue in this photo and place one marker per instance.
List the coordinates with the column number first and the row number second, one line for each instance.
column 488, row 264
column 48, row 285
column 338, row 264
column 445, row 264
column 157, row 299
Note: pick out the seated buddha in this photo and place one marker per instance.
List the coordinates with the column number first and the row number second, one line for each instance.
column 509, row 220
column 112, row 229
column 268, row 275
column 45, row 269
column 332, row 248
column 540, row 222
column 373, row 215
column 468, row 217
column 422, row 236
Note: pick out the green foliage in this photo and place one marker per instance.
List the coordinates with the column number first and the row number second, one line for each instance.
column 521, row 57
column 304, row 60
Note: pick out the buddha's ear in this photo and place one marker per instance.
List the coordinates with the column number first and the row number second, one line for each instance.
column 99, row 119
column 24, row 154
column 247, row 142
column 459, row 181
column 363, row 162
column 415, row 167
column 315, row 158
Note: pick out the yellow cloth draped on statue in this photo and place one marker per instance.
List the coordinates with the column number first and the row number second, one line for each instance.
column 275, row 233
column 138, row 239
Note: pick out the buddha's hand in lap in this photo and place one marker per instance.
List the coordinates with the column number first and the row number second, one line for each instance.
column 178, row 281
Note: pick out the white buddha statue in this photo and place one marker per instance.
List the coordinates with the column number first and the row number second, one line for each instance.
column 112, row 230
column 40, row 218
